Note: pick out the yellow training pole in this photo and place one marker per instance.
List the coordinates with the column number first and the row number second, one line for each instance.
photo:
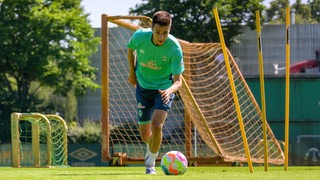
column 234, row 93
column 263, row 101
column 286, row 148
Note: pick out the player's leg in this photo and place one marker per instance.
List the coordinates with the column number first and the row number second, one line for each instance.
column 145, row 101
column 154, row 143
column 158, row 118
column 145, row 132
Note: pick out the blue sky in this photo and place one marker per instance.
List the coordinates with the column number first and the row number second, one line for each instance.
column 110, row 7
column 117, row 7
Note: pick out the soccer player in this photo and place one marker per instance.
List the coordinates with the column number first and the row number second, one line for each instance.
column 155, row 69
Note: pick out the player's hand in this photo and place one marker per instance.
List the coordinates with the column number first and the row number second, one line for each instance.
column 165, row 95
column 132, row 79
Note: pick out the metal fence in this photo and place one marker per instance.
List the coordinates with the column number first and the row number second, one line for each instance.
column 304, row 41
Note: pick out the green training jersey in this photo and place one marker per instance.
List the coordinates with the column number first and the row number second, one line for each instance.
column 156, row 64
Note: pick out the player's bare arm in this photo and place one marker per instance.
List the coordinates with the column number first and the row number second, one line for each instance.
column 132, row 75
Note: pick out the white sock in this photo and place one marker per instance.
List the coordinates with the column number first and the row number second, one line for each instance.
column 151, row 161
column 153, row 157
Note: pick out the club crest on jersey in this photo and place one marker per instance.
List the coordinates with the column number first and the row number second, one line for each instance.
column 164, row 58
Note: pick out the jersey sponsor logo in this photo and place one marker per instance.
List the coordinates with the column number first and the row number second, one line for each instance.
column 150, row 64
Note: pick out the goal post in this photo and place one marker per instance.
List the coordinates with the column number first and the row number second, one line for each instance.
column 38, row 140
column 59, row 138
column 34, row 135
column 203, row 120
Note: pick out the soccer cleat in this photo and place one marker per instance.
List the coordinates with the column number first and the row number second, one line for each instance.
column 150, row 170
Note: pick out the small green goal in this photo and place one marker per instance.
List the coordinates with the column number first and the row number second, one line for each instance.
column 38, row 140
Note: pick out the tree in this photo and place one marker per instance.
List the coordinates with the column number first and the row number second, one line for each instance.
column 276, row 13
column 193, row 20
column 45, row 45
column 302, row 13
column 315, row 9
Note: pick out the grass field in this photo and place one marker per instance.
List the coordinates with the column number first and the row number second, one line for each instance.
column 137, row 173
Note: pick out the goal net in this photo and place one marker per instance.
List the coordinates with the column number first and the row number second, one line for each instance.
column 202, row 123
column 38, row 140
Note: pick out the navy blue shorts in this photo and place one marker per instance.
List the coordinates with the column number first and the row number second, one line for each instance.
column 148, row 100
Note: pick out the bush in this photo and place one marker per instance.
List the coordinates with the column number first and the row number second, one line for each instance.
column 88, row 133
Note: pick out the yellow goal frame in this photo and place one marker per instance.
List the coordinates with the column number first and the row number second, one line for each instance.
column 35, row 119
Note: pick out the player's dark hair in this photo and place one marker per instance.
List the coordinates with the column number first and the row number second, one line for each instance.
column 162, row 18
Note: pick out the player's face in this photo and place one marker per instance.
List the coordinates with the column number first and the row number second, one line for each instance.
column 160, row 34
